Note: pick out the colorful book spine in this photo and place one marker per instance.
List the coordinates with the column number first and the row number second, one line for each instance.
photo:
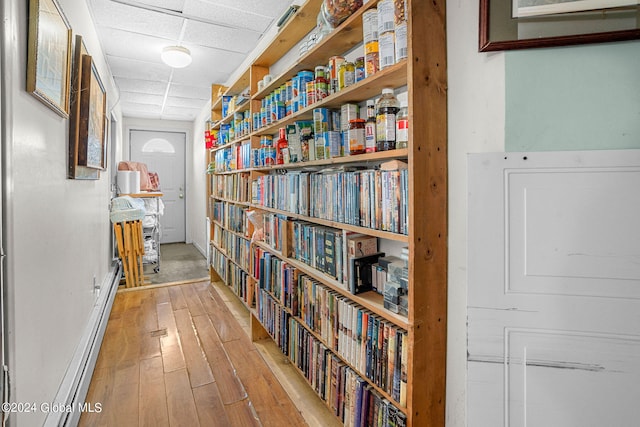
column 369, row 198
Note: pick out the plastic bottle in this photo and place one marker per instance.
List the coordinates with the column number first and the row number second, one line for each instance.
column 356, row 136
column 370, row 128
column 402, row 127
column 386, row 109
column 282, row 146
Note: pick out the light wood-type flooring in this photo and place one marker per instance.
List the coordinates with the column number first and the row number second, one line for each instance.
column 177, row 356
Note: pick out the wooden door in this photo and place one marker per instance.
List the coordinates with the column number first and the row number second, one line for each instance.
column 554, row 289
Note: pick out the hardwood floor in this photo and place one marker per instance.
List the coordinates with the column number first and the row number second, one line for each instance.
column 177, row 356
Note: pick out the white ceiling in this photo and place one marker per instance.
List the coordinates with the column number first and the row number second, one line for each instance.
column 219, row 33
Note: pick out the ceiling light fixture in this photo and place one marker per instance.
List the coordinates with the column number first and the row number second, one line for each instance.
column 176, row 56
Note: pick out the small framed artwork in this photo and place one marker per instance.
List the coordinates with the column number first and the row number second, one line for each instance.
column 524, row 24
column 76, row 171
column 92, row 148
column 49, row 55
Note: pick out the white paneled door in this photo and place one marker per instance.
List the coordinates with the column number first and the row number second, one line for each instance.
column 554, row 289
column 164, row 153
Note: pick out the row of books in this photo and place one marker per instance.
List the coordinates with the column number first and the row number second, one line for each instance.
column 370, row 344
column 319, row 247
column 344, row 256
column 232, row 217
column 351, row 398
column 237, row 248
column 375, row 199
column 288, row 192
column 275, row 230
column 233, row 158
column 218, row 232
column 371, row 198
column 242, row 284
column 218, row 211
column 274, row 318
column 231, row 187
column 219, row 262
column 236, row 219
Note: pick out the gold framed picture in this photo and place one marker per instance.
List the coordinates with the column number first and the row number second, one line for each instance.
column 49, row 55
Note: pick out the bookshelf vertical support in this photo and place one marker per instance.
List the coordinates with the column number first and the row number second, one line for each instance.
column 427, row 87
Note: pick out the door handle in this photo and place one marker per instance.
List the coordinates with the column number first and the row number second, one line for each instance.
column 181, row 196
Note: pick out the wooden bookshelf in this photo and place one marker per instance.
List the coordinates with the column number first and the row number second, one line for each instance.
column 424, row 76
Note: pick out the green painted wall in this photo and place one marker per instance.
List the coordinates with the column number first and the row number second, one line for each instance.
column 573, row 98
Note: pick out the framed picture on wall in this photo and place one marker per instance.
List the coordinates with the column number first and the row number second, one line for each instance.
column 93, row 118
column 525, row 24
column 76, row 171
column 49, row 55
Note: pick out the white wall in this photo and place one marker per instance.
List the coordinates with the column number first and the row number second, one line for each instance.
column 57, row 230
column 476, row 124
column 198, row 165
column 194, row 168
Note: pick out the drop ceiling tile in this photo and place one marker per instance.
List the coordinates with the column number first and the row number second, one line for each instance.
column 142, row 98
column 138, row 107
column 201, row 75
column 133, row 37
column 141, row 86
column 229, row 16
column 180, row 113
column 209, row 62
column 135, row 69
column 234, row 41
column 187, row 103
column 110, row 14
column 124, row 44
column 267, row 8
column 187, row 91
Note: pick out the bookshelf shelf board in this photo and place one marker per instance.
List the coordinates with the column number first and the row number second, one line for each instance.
column 229, row 118
column 235, row 202
column 235, row 233
column 216, row 101
column 355, row 159
column 233, row 171
column 227, row 256
column 393, row 76
column 301, row 23
column 370, row 231
column 369, row 300
column 240, row 83
column 340, row 40
column 220, row 147
column 219, row 248
column 239, row 298
column 231, row 143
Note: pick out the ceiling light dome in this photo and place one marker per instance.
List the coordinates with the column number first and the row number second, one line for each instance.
column 176, row 56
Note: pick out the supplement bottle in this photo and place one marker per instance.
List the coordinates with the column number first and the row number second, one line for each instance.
column 356, row 136
column 386, row 109
column 402, row 127
column 370, row 128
